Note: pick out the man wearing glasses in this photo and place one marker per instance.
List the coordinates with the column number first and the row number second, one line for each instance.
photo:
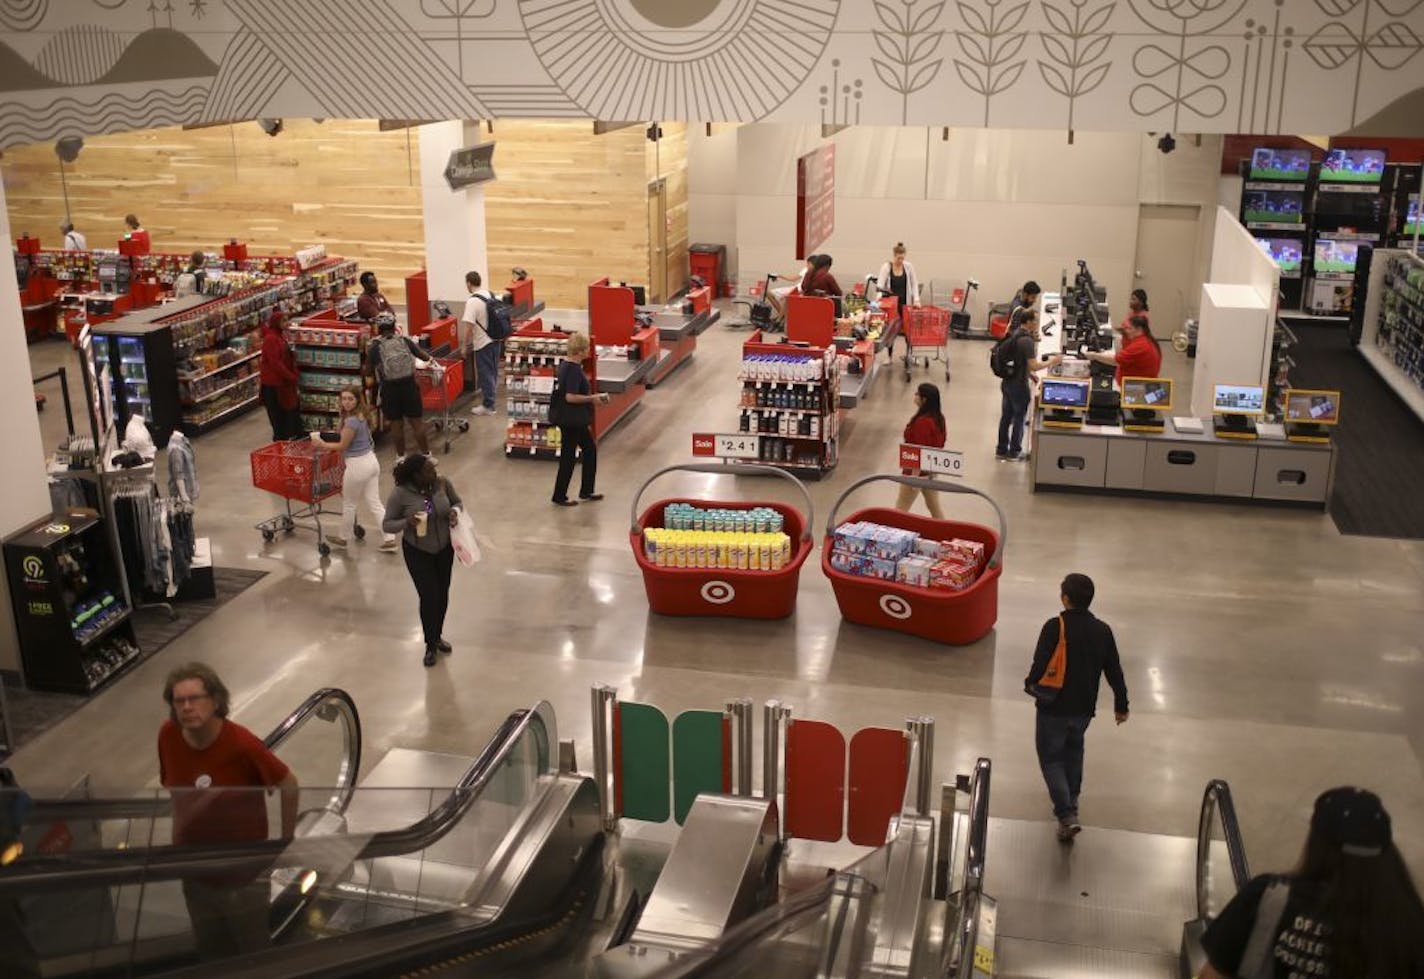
column 214, row 767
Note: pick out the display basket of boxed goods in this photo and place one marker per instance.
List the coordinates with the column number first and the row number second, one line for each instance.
column 734, row 559
column 937, row 579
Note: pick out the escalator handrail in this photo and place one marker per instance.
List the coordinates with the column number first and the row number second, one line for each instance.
column 1216, row 800
column 173, row 861
column 158, row 805
column 967, row 926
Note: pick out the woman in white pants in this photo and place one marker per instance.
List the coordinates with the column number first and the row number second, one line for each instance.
column 363, row 472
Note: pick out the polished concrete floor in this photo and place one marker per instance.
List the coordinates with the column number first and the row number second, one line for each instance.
column 1260, row 645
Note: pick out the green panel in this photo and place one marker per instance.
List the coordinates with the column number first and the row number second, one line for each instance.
column 697, row 758
column 644, row 769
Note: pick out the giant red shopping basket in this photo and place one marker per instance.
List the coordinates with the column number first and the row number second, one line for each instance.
column 956, row 618
column 728, row 592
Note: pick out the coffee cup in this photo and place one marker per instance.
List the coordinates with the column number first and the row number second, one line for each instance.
column 422, row 522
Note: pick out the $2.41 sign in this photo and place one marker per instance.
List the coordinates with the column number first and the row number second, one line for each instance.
column 922, row 458
column 742, row 446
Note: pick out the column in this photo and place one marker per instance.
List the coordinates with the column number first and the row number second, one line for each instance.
column 454, row 219
column 24, row 491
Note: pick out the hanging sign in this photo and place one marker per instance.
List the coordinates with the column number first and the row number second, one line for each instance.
column 469, row 166
column 815, row 198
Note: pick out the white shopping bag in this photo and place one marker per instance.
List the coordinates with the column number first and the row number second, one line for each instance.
column 462, row 538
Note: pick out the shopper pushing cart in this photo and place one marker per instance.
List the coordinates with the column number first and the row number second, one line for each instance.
column 392, row 360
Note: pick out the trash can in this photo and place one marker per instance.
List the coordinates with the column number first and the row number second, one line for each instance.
column 709, row 263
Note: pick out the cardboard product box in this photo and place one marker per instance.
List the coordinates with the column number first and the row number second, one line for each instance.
column 952, row 575
column 969, row 551
column 914, row 569
column 862, row 564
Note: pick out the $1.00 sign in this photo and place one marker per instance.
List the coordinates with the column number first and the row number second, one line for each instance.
column 743, row 446
column 922, row 458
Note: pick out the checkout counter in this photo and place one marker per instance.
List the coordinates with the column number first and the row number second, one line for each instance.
column 812, row 320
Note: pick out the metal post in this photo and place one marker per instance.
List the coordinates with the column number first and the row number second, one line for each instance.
column 925, row 787
column 741, row 713
column 601, row 697
column 774, row 713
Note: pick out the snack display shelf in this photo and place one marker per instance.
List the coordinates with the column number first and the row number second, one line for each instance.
column 199, row 426
column 217, row 391
column 216, row 370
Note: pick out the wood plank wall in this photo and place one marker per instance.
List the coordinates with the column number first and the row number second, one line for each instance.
column 566, row 205
column 668, row 159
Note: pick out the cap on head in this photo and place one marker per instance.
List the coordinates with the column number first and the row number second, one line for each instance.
column 1353, row 819
column 386, row 322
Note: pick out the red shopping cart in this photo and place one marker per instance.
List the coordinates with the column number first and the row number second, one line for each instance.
column 440, row 387
column 926, row 331
column 727, row 592
column 299, row 472
column 956, row 618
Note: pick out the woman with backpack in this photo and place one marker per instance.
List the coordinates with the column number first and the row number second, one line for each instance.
column 1349, row 910
column 423, row 508
column 926, row 427
column 391, row 359
column 278, row 369
column 363, row 473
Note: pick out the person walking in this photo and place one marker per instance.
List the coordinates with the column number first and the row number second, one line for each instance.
column 391, row 360
column 213, row 767
column 278, row 369
column 897, row 278
column 422, row 508
column 362, row 479
column 1016, row 390
column 473, row 323
column 1065, row 712
column 74, row 241
column 576, row 425
column 1350, row 909
column 926, row 427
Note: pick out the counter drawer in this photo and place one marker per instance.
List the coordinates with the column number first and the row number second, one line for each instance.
column 1069, row 460
column 1127, row 460
column 1293, row 474
column 1180, row 467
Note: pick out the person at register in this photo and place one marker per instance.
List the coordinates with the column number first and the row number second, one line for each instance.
column 135, row 230
column 1139, row 355
column 1026, row 298
column 818, row 280
column 371, row 303
column 897, row 277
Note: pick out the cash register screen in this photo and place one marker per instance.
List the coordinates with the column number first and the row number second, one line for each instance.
column 1313, row 407
column 1152, row 393
column 1065, row 394
column 1238, row 399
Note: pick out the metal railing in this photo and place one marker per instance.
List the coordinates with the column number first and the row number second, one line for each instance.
column 959, row 963
column 1217, row 808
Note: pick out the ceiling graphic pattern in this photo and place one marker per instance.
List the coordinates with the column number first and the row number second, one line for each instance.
column 1319, row 66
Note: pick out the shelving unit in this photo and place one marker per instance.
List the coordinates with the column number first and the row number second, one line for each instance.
column 531, row 361
column 798, row 422
column 1393, row 339
column 329, row 354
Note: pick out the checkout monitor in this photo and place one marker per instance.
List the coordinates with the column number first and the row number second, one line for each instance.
column 1147, row 393
column 1238, row 399
column 1312, row 407
column 1065, row 394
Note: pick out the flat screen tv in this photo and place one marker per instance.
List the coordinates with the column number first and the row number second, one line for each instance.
column 1065, row 394
column 1412, row 223
column 1336, row 256
column 1285, row 165
column 1285, row 252
column 1151, row 393
column 1352, row 167
column 1313, row 407
column 1238, row 399
column 1274, row 206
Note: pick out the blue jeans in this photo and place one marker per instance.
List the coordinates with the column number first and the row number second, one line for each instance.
column 487, row 367
column 1012, row 414
column 1059, row 741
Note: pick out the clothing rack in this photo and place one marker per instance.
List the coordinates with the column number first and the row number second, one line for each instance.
column 138, row 481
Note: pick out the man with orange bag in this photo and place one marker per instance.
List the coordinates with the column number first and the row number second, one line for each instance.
column 1075, row 649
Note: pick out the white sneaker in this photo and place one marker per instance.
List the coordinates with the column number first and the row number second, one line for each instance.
column 481, row 410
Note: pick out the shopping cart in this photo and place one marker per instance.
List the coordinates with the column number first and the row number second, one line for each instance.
column 726, row 592
column 440, row 387
column 299, row 472
column 955, row 618
column 926, row 330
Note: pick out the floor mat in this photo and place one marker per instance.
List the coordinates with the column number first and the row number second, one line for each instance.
column 1379, row 442
column 31, row 712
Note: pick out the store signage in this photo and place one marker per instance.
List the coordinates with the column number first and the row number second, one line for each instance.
column 469, row 166
column 925, row 459
column 33, row 569
column 815, row 199
column 740, row 446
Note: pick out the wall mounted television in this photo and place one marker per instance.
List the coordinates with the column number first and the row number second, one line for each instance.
column 1282, row 165
column 1352, row 167
column 1273, row 206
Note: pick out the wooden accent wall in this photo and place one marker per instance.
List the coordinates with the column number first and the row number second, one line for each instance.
column 669, row 160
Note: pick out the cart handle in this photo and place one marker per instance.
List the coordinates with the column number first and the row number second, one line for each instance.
column 729, row 469
column 920, row 482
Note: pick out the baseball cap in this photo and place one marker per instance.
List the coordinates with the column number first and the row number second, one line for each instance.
column 385, row 321
column 1354, row 819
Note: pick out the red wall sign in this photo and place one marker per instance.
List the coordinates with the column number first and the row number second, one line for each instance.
column 815, row 198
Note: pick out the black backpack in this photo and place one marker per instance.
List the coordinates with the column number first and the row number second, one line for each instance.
column 1002, row 358
column 499, row 318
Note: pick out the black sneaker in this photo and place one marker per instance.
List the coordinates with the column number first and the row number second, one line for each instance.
column 429, row 656
column 443, row 646
column 1068, row 828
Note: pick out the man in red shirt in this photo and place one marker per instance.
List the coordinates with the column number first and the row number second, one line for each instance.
column 215, row 769
column 1140, row 355
column 372, row 302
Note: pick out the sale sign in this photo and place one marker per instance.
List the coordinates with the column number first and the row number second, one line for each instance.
column 738, row 446
column 923, row 458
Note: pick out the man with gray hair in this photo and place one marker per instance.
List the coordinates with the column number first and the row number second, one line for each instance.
column 73, row 240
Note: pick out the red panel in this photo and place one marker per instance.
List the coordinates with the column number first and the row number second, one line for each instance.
column 879, row 766
column 521, row 293
column 815, row 781
column 815, row 198
column 810, row 319
column 610, row 314
column 417, row 302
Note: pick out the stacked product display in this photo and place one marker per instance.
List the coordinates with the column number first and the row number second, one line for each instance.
column 726, row 539
column 874, row 550
column 790, row 398
column 1401, row 321
column 531, row 360
column 329, row 355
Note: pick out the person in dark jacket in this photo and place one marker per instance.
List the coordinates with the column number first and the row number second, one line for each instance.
column 576, row 436
column 925, row 428
column 1063, row 718
column 278, row 367
column 423, row 507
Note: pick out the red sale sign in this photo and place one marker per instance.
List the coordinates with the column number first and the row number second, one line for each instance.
column 704, row 445
column 910, row 457
column 924, row 459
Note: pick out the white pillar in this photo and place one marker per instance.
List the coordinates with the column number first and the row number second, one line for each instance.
column 454, row 219
column 24, row 490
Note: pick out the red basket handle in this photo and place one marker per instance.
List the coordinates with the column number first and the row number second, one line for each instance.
column 920, row 482
column 729, row 469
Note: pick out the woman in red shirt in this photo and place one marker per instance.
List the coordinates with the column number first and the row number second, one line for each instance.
column 1140, row 355
column 278, row 368
column 818, row 280
column 925, row 428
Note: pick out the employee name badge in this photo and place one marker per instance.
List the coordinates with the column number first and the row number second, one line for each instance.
column 923, row 458
column 736, row 446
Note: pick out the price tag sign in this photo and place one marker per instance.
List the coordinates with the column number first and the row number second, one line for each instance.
column 740, row 446
column 922, row 458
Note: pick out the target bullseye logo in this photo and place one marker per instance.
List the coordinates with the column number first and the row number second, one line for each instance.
column 895, row 607
column 718, row 592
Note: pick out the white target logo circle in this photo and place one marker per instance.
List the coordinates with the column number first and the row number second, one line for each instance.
column 718, row 592
column 895, row 607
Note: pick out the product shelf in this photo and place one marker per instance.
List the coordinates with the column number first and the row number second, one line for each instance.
column 807, row 453
column 217, row 370
column 199, row 426
column 108, row 627
column 217, row 391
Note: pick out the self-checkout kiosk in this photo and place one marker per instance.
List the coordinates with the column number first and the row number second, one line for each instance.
column 1235, row 408
column 1144, row 402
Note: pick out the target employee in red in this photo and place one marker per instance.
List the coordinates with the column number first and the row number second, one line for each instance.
column 925, row 428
